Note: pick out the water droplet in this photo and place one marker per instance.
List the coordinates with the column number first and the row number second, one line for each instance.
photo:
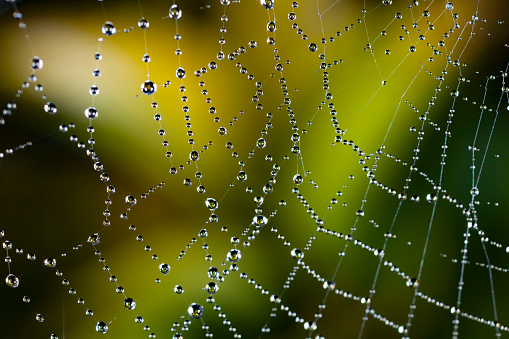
column 297, row 254
column 234, row 255
column 175, row 12
column 180, row 73
column 260, row 143
column 12, row 281
column 164, row 268
column 203, row 233
column 387, row 2
column 50, row 262
column 312, row 47
column 213, row 273
column 143, row 23
column 148, row 87
column 268, row 4
column 94, row 239
column 455, row 93
column 178, row 289
column 91, row 113
column 260, row 220
column 130, row 200
column 271, row 26
column 194, row 156
column 242, row 176
column 412, row 283
column 129, row 303
column 275, row 299
column 94, row 90
column 297, row 179
column 36, row 63
column 329, row 285
column 431, row 198
column 211, row 204
column 39, row 318
column 108, row 28
column 101, row 327
column 195, row 311
column 7, row 245
column 211, row 287
column 50, row 108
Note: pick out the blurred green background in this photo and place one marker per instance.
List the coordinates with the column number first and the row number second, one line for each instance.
column 52, row 198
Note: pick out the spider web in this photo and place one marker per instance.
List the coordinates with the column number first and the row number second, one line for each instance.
column 254, row 169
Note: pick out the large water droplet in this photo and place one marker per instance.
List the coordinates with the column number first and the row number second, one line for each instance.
column 148, row 87
column 50, row 108
column 164, row 268
column 12, row 281
column 101, row 327
column 268, row 4
column 234, row 255
column 180, row 73
column 36, row 63
column 94, row 239
column 143, row 23
column 129, row 303
column 211, row 204
column 195, row 311
column 91, row 113
column 212, row 287
column 175, row 12
column 108, row 28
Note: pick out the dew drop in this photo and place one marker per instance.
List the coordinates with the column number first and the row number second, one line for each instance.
column 268, row 4
column 431, row 198
column 148, row 87
column 213, row 273
column 130, row 200
column 108, row 28
column 260, row 143
column 175, row 12
column 94, row 90
column 211, row 204
column 12, row 281
column 297, row 254
column 195, row 311
column 164, row 268
column 211, row 287
column 94, row 239
column 129, row 303
column 242, row 176
column 143, row 23
column 412, row 283
column 260, row 220
column 36, row 63
column 101, row 327
column 180, row 73
column 194, row 156
column 234, row 255
column 50, row 108
column 50, row 262
column 91, row 113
